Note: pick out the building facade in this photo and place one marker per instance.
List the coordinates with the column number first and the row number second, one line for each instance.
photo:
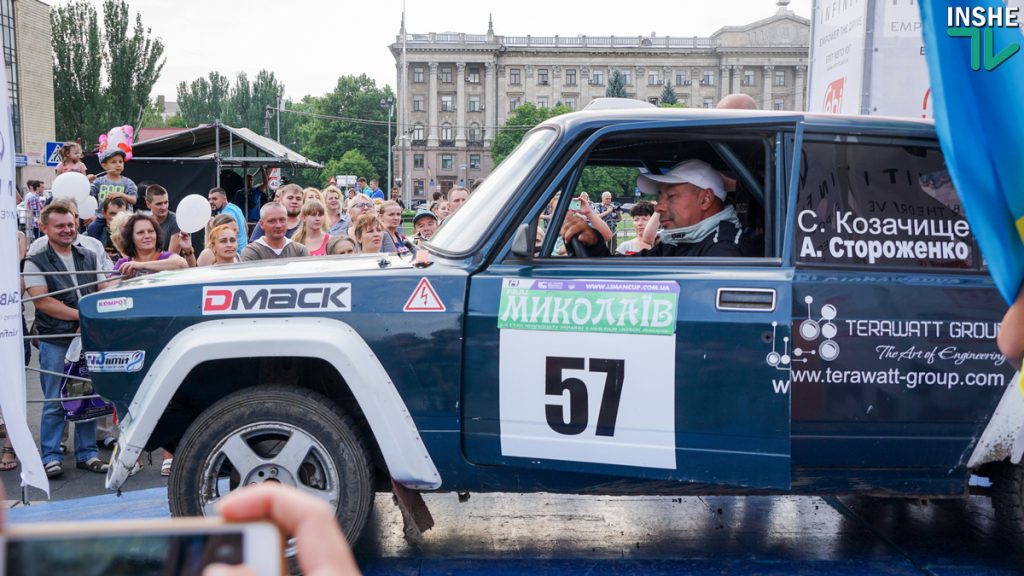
column 28, row 56
column 457, row 89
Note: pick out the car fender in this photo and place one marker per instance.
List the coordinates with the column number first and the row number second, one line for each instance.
column 1004, row 435
column 333, row 341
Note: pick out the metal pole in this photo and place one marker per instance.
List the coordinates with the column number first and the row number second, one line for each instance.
column 391, row 146
column 279, row 106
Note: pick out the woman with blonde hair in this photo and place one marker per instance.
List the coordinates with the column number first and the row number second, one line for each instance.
column 206, row 257
column 311, row 194
column 313, row 228
column 222, row 242
column 368, row 233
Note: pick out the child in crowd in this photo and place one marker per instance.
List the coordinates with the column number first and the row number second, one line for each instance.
column 112, row 158
column 71, row 160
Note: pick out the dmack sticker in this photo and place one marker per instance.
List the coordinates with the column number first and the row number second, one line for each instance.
column 114, row 304
column 130, row 361
column 277, row 299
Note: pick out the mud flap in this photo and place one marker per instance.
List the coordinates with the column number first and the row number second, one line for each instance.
column 416, row 517
column 1004, row 436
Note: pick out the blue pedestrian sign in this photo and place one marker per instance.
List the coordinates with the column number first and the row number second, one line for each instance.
column 53, row 153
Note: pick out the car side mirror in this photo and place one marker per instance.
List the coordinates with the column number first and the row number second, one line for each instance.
column 521, row 245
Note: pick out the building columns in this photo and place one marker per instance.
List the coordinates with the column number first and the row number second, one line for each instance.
column 460, row 105
column 490, row 105
column 800, row 89
column 433, row 99
column 722, row 79
column 768, row 83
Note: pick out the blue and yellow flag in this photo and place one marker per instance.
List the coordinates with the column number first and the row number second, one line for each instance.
column 977, row 81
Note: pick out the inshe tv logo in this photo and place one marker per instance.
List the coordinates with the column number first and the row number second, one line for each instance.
column 979, row 23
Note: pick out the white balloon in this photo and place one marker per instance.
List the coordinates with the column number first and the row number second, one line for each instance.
column 87, row 207
column 193, row 213
column 71, row 185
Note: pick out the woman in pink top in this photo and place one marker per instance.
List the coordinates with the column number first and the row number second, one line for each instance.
column 313, row 227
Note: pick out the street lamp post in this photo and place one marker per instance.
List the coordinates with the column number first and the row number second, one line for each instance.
column 389, row 103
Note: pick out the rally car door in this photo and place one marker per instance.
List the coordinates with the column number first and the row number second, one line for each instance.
column 656, row 368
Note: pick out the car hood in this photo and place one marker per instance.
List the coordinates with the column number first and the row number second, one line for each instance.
column 289, row 268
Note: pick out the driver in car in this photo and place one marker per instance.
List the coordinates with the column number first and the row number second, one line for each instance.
column 692, row 211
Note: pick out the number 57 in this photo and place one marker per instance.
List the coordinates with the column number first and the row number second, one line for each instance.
column 579, row 405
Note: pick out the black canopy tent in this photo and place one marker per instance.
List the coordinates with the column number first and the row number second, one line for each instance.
column 192, row 161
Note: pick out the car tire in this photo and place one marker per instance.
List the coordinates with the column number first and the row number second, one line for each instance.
column 1008, row 497
column 276, row 434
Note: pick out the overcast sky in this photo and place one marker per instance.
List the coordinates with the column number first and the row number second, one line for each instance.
column 308, row 44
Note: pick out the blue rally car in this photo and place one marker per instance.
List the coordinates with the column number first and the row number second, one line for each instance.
column 850, row 349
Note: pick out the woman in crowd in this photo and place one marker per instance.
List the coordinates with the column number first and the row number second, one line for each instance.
column 440, row 209
column 312, row 194
column 391, row 220
column 341, row 246
column 222, row 242
column 368, row 233
column 140, row 240
column 206, row 257
column 312, row 228
column 336, row 223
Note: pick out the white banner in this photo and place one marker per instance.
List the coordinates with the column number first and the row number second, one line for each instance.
column 12, row 351
column 838, row 34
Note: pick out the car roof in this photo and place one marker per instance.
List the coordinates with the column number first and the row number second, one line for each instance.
column 590, row 119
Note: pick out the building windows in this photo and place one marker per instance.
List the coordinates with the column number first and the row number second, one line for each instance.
column 570, row 102
column 473, row 75
column 417, row 160
column 447, row 103
column 417, row 75
column 707, row 103
column 474, row 103
column 474, row 161
column 597, row 77
column 417, row 104
column 447, row 162
column 570, row 76
column 780, row 77
column 417, row 188
column 542, row 101
column 475, row 135
column 681, row 79
column 708, row 79
column 447, row 134
column 446, row 74
column 417, row 132
column 653, row 79
column 542, row 76
column 748, row 78
column 514, row 102
column 779, row 104
column 515, row 76
column 627, row 77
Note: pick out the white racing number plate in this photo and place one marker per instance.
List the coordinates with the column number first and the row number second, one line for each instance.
column 587, row 371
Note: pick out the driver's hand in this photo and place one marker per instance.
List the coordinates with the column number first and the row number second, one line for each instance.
column 576, row 227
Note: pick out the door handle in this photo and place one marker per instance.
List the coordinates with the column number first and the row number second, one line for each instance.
column 746, row 299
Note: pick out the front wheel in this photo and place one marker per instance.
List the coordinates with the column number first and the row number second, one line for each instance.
column 274, row 434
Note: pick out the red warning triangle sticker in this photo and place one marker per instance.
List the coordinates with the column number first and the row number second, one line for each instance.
column 424, row 299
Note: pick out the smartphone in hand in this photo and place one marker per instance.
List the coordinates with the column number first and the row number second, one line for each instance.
column 142, row 548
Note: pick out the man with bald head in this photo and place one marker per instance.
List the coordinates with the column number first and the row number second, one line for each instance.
column 737, row 102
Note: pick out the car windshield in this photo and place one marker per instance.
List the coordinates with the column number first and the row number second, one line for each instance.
column 464, row 229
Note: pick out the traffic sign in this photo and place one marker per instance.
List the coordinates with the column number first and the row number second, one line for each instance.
column 52, row 155
column 20, row 160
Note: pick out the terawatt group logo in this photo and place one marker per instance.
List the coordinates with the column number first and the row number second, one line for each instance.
column 978, row 24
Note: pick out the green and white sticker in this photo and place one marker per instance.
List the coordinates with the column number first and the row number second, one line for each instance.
column 587, row 371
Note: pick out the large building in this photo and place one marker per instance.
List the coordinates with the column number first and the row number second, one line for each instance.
column 28, row 55
column 457, row 89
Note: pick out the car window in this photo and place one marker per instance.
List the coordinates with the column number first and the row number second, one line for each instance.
column 463, row 230
column 614, row 164
column 863, row 204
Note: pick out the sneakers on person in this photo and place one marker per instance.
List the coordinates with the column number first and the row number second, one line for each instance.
column 106, row 443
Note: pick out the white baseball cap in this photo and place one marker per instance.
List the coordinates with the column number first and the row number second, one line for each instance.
column 693, row 171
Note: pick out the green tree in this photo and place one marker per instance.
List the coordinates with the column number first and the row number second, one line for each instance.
column 102, row 75
column 352, row 162
column 668, row 94
column 618, row 181
column 349, row 117
column 518, row 124
column 616, row 86
column 204, row 99
column 241, row 104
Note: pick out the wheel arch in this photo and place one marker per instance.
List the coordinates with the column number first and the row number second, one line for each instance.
column 332, row 341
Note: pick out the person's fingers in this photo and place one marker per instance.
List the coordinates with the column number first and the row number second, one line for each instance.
column 226, row 570
column 322, row 548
